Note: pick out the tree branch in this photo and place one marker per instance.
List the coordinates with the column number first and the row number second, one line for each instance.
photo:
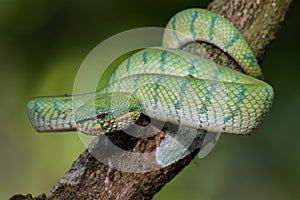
column 259, row 21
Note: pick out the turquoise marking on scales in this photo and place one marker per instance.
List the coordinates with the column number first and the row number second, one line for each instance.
column 36, row 106
column 147, row 81
column 55, row 105
column 211, row 28
column 207, row 101
column 232, row 41
column 145, row 57
column 164, row 56
column 240, row 99
column 181, row 93
column 251, row 59
column 128, row 64
column 194, row 17
column 174, row 30
column 156, row 87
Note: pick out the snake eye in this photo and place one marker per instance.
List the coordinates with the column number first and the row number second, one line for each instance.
column 101, row 115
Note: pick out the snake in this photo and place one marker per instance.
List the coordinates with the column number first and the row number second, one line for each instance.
column 170, row 85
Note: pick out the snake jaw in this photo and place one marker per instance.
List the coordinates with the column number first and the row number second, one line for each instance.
column 93, row 127
column 96, row 126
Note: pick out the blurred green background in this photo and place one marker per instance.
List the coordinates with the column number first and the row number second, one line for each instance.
column 43, row 43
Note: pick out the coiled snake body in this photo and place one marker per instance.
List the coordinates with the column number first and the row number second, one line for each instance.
column 171, row 85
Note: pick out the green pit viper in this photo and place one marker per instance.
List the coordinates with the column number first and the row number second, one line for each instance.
column 169, row 84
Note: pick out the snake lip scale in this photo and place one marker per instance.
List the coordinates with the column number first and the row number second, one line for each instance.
column 171, row 85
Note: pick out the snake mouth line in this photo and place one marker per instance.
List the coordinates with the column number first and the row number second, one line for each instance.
column 108, row 124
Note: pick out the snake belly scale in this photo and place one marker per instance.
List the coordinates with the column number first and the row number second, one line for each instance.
column 171, row 85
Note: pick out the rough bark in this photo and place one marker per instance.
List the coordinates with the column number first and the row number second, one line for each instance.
column 259, row 21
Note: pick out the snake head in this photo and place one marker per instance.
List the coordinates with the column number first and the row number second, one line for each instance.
column 106, row 113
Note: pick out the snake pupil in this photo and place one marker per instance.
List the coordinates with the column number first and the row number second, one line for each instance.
column 100, row 115
column 190, row 76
